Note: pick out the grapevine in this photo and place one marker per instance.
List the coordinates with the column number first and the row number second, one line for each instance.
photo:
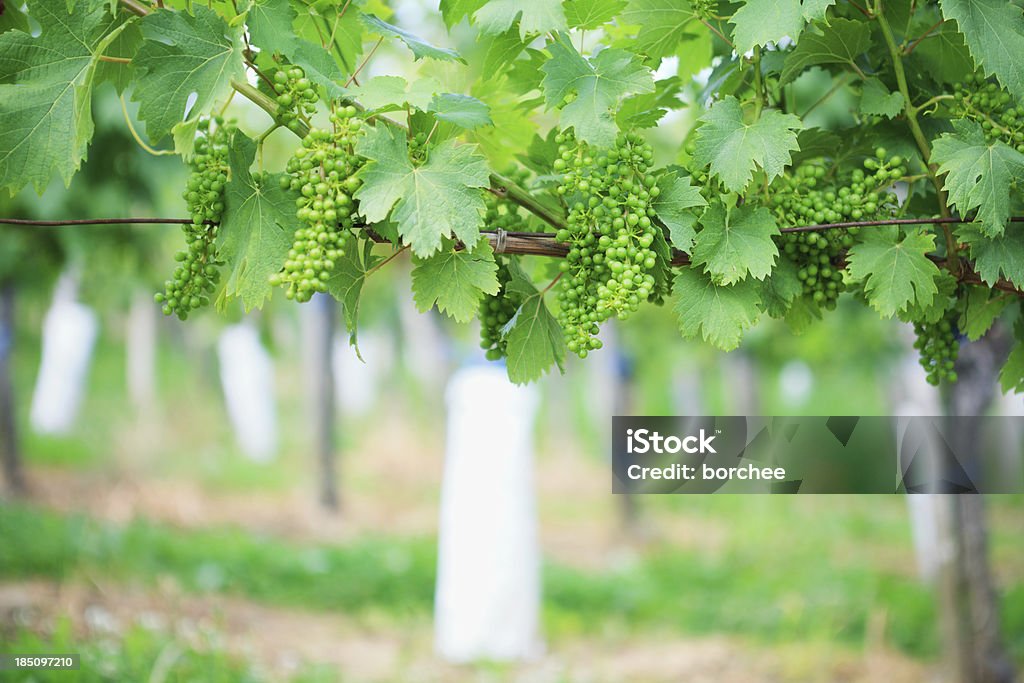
column 771, row 196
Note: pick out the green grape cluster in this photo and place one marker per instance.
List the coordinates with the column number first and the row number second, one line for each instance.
column 608, row 269
column 706, row 9
column 296, row 96
column 322, row 171
column 1000, row 117
column 197, row 272
column 938, row 347
column 495, row 312
column 811, row 195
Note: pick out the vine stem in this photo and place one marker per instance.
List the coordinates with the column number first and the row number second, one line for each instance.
column 953, row 260
column 545, row 244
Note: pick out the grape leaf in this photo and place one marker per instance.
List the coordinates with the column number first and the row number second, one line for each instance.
column 453, row 11
column 759, row 22
column 994, row 33
column 13, row 18
column 876, row 100
column 979, row 174
column 535, row 16
column 733, row 148
column 346, row 284
column 431, row 201
column 534, row 339
column 462, row 110
column 185, row 54
column 502, row 49
column 1011, row 378
column 719, row 313
column 674, row 207
column 455, row 280
column 981, row 308
column 391, row 93
column 839, row 42
column 420, row 48
column 736, row 242
column 257, row 230
column 346, row 27
column 46, row 84
column 663, row 24
column 598, row 84
column 895, row 271
column 995, row 257
column 781, row 289
column 646, row 109
column 591, row 14
column 943, row 55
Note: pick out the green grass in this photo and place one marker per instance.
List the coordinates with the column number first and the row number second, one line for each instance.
column 133, row 656
column 771, row 597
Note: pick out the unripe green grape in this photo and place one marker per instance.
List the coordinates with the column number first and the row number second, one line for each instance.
column 204, row 195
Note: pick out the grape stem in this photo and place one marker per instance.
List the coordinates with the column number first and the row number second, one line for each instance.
column 952, row 258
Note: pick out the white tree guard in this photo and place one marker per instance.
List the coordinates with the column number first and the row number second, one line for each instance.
column 357, row 382
column 140, row 350
column 913, row 396
column 487, row 604
column 247, row 378
column 69, row 336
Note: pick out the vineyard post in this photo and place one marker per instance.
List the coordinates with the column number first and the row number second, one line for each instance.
column 967, row 595
column 9, row 453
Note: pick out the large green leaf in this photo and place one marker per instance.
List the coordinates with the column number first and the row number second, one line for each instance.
column 431, row 201
column 733, row 148
column 674, row 206
column 46, row 85
column 535, row 16
column 876, row 100
column 534, row 339
column 591, row 14
column 979, row 174
column 455, row 280
column 736, row 242
column 663, row 24
column 420, row 48
column 994, row 33
column 896, row 271
column 594, row 86
column 996, row 257
column 257, row 230
column 759, row 22
column 719, row 313
column 839, row 42
column 346, row 283
column 185, row 55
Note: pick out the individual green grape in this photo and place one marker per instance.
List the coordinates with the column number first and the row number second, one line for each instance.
column 495, row 312
column 938, row 347
column 810, row 195
column 198, row 272
column 608, row 269
column 1001, row 118
column 296, row 96
column 322, row 171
